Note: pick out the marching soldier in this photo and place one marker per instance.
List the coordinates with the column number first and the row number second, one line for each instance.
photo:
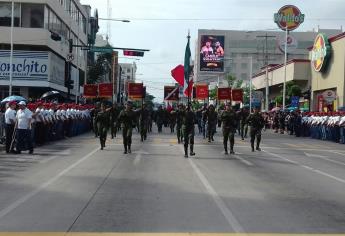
column 244, row 113
column 179, row 118
column 257, row 123
column 143, row 122
column 94, row 123
column 188, row 122
column 114, row 113
column 172, row 117
column 211, row 117
column 160, row 118
column 102, row 120
column 127, row 118
column 229, row 120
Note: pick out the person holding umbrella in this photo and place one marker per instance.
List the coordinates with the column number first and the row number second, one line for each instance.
column 24, row 118
column 10, row 121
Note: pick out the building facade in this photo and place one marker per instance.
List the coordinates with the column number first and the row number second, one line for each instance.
column 328, row 74
column 264, row 47
column 39, row 60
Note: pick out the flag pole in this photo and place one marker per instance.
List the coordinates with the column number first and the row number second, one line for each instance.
column 188, row 37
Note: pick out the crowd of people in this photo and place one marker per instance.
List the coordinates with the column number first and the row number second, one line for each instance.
column 34, row 124
column 317, row 125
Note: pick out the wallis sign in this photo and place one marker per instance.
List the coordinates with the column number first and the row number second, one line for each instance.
column 288, row 17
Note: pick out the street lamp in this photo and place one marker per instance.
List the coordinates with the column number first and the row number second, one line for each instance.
column 112, row 19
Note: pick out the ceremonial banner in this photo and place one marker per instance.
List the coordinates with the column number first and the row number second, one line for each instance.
column 90, row 90
column 105, row 90
column 237, row 95
column 201, row 91
column 171, row 93
column 135, row 90
column 224, row 93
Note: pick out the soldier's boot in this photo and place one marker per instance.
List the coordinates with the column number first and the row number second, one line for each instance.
column 226, row 149
column 258, row 144
column 212, row 138
column 232, row 148
column 142, row 138
column 192, row 153
column 209, row 138
column 186, row 151
column 252, row 145
column 125, row 151
column 129, row 148
column 178, row 140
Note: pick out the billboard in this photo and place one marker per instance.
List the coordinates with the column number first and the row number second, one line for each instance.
column 212, row 53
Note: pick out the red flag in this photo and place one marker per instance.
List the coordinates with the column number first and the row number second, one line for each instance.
column 178, row 74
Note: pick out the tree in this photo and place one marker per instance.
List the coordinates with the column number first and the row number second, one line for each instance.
column 279, row 99
column 97, row 70
column 231, row 80
column 294, row 90
column 213, row 94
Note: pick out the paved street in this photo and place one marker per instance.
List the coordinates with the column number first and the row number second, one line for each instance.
column 295, row 185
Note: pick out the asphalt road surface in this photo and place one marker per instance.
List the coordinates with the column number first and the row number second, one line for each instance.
column 295, row 185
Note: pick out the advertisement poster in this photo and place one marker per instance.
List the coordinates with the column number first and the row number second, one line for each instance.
column 224, row 94
column 212, row 53
column 171, row 93
column 90, row 90
column 201, row 91
column 105, row 90
column 135, row 90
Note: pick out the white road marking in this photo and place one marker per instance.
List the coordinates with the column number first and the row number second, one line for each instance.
column 308, row 168
column 26, row 197
column 137, row 159
column 324, row 158
column 229, row 216
column 248, row 163
column 339, row 153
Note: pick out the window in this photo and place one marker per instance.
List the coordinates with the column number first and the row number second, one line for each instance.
column 244, row 65
column 128, row 70
column 128, row 77
column 244, row 76
column 6, row 14
column 32, row 15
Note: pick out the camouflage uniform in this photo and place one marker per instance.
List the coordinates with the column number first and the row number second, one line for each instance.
column 127, row 118
column 114, row 113
column 188, row 123
column 257, row 123
column 179, row 118
column 212, row 118
column 243, row 121
column 143, row 123
column 229, row 128
column 102, row 120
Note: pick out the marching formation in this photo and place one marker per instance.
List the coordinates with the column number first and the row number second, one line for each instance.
column 183, row 118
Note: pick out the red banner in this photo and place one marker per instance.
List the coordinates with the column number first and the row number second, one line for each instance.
column 105, row 90
column 135, row 90
column 171, row 93
column 237, row 95
column 201, row 91
column 224, row 93
column 90, row 90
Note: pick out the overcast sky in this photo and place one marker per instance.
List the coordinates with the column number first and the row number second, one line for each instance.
column 167, row 38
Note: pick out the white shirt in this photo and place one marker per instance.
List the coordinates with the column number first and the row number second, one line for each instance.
column 39, row 117
column 23, row 117
column 10, row 115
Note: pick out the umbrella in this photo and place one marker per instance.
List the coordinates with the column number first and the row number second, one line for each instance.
column 275, row 109
column 50, row 95
column 292, row 108
column 13, row 98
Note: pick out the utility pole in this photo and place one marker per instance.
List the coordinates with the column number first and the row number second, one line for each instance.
column 266, row 60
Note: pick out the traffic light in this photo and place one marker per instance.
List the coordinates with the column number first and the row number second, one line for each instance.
column 55, row 36
column 69, row 83
column 133, row 53
column 70, row 45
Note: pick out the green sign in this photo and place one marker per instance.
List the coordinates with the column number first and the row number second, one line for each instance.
column 101, row 49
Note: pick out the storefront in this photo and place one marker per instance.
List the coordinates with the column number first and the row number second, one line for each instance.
column 328, row 73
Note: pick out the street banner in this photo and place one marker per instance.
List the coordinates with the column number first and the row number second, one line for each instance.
column 105, row 90
column 224, row 94
column 237, row 95
column 171, row 93
column 201, row 91
column 212, row 53
column 135, row 90
column 256, row 98
column 90, row 90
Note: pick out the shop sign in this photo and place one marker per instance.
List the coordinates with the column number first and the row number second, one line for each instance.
column 289, row 17
column 291, row 46
column 329, row 96
column 320, row 53
column 27, row 65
